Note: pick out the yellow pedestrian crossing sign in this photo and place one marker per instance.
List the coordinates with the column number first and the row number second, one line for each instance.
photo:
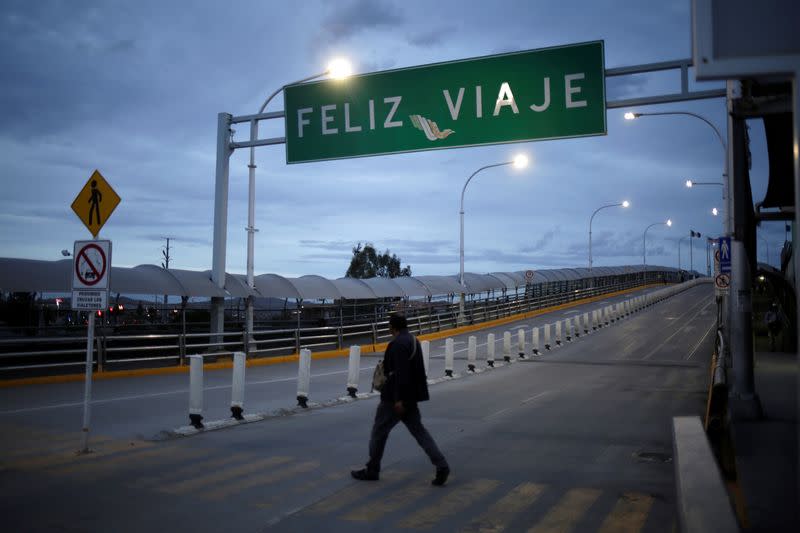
column 95, row 203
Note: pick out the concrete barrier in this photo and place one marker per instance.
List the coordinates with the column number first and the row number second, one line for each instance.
column 558, row 333
column 237, row 387
column 426, row 355
column 586, row 325
column 702, row 499
column 535, row 341
column 449, row 352
column 546, row 336
column 568, row 329
column 507, row 346
column 196, row 391
column 490, row 348
column 521, row 343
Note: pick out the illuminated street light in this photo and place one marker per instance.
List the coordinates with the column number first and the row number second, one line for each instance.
column 520, row 161
column 644, row 244
column 338, row 69
column 624, row 204
column 715, row 211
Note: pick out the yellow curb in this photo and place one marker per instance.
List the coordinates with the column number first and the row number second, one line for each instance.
column 331, row 354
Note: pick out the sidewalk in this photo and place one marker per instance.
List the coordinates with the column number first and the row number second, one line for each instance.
column 767, row 449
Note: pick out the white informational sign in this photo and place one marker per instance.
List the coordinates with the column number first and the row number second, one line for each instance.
column 90, row 274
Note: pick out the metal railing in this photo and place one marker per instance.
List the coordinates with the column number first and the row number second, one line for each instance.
column 24, row 356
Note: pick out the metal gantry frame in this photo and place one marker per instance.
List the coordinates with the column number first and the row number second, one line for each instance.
column 226, row 146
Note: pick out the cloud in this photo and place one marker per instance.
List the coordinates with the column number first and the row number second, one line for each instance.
column 431, row 37
column 359, row 16
column 543, row 241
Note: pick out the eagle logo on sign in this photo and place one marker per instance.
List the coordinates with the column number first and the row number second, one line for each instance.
column 429, row 128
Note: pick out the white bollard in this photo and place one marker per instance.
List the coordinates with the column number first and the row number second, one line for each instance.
column 196, row 390
column 472, row 352
column 521, row 343
column 426, row 355
column 535, row 340
column 490, row 346
column 586, row 325
column 568, row 329
column 546, row 336
column 304, row 377
column 448, row 357
column 507, row 346
column 606, row 317
column 558, row 333
column 237, row 391
column 595, row 319
column 353, row 370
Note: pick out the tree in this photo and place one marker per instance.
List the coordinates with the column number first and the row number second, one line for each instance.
column 367, row 263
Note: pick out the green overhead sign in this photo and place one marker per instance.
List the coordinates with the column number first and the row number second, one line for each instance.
column 541, row 94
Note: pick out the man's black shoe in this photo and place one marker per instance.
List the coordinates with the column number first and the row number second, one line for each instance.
column 365, row 475
column 441, row 476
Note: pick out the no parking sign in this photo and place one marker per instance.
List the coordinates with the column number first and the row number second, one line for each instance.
column 90, row 274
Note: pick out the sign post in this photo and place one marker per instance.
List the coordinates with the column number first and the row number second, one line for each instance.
column 91, row 271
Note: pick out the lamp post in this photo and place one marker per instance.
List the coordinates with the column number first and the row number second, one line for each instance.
column 679, row 250
column 727, row 222
column 520, row 161
column 623, row 204
column 644, row 245
column 337, row 69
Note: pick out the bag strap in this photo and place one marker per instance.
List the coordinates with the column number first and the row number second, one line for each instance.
column 414, row 351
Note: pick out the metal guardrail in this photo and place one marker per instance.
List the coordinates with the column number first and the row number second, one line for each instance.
column 27, row 354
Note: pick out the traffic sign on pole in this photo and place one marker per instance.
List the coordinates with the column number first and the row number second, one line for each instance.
column 529, row 276
column 725, row 254
column 90, row 274
column 95, row 203
column 541, row 94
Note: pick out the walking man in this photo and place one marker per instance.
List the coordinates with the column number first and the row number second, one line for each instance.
column 406, row 385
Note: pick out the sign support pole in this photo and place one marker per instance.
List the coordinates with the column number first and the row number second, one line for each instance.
column 87, row 389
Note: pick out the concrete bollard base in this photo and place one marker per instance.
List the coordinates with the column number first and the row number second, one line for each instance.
column 302, row 401
column 490, row 363
column 236, row 412
column 351, row 391
column 471, row 368
column 448, row 373
column 196, row 421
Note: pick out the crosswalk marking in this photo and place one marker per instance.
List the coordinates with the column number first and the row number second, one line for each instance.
column 61, row 445
column 629, row 514
column 135, row 459
column 569, row 510
column 398, row 499
column 186, row 485
column 223, row 492
column 102, row 450
column 186, row 471
column 498, row 516
column 457, row 499
column 344, row 498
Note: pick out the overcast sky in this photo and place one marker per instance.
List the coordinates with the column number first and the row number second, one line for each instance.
column 134, row 88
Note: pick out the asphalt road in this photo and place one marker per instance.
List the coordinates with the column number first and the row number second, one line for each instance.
column 577, row 439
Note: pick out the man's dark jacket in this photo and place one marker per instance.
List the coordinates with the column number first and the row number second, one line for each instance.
column 406, row 374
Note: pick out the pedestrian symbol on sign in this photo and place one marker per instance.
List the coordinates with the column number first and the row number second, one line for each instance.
column 95, row 200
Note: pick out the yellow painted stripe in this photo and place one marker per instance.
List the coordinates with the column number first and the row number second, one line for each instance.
column 186, row 485
column 186, row 471
column 499, row 515
column 453, row 501
column 629, row 514
column 139, row 459
column 344, row 352
column 220, row 493
column 100, row 450
column 567, row 512
column 63, row 445
column 353, row 493
column 390, row 503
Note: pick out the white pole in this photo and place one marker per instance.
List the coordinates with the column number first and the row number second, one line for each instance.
column 490, row 348
column 586, row 325
column 507, row 346
column 558, row 333
column 521, row 343
column 472, row 352
column 535, row 340
column 353, row 370
column 448, row 357
column 304, row 377
column 196, row 390
column 568, row 329
column 546, row 336
column 87, row 384
column 426, row 355
column 237, row 391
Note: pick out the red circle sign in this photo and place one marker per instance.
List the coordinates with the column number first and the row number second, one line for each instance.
column 93, row 273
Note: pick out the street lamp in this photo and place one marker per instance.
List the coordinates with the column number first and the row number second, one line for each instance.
column 714, row 211
column 679, row 250
column 623, row 204
column 337, row 69
column 690, row 183
column 644, row 244
column 727, row 222
column 519, row 162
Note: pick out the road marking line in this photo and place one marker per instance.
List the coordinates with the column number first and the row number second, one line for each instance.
column 351, row 494
column 186, row 485
column 71, row 457
column 153, row 455
column 568, row 512
column 629, row 514
column 501, row 411
column 192, row 469
column 657, row 348
column 696, row 346
column 255, row 481
column 389, row 504
column 456, row 500
column 498, row 516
